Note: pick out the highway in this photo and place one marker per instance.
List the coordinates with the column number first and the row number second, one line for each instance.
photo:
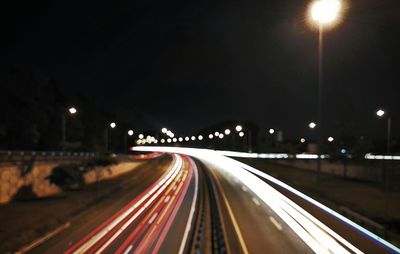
column 203, row 202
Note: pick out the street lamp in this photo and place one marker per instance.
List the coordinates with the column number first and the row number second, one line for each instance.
column 227, row 131
column 381, row 113
column 271, row 131
column 210, row 136
column 164, row 130
column 71, row 111
column 323, row 13
column 330, row 139
column 312, row 125
column 241, row 134
column 130, row 133
column 302, row 140
column 112, row 126
column 238, row 128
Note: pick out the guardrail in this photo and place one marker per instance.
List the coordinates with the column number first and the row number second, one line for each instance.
column 44, row 156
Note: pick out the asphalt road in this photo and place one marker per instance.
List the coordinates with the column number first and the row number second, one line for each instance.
column 198, row 206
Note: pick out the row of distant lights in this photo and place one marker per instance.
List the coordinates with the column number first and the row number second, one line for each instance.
column 312, row 125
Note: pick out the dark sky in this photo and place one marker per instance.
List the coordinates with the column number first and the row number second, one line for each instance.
column 190, row 64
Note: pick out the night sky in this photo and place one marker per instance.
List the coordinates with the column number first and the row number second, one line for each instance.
column 190, row 64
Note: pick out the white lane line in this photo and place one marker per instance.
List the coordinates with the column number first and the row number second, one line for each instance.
column 128, row 249
column 192, row 209
column 153, row 218
column 244, row 188
column 256, row 201
column 277, row 225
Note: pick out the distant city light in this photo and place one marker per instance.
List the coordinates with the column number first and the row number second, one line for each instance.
column 331, row 139
column 163, row 141
column 271, row 131
column 186, row 138
column 113, row 125
column 216, row 133
column 312, row 125
column 141, row 136
column 227, row 131
column 169, row 140
column 380, row 112
column 302, row 140
column 239, row 128
column 241, row 134
column 72, row 110
column 180, row 139
column 210, row 136
column 200, row 137
column 221, row 136
column 174, row 140
column 164, row 130
column 130, row 132
column 193, row 138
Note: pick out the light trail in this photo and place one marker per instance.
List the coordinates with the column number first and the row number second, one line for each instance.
column 313, row 232
column 150, row 195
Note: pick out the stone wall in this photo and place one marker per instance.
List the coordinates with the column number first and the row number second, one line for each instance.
column 11, row 180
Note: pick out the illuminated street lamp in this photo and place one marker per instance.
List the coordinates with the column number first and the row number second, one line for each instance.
column 271, row 131
column 71, row 111
column 312, row 125
column 210, row 136
column 216, row 134
column 193, row 138
column 381, row 113
column 221, row 136
column 241, row 134
column 200, row 137
column 238, row 128
column 323, row 13
column 164, row 130
column 302, row 140
column 180, row 139
column 227, row 131
column 130, row 133
column 187, row 139
column 330, row 139
column 141, row 136
column 113, row 125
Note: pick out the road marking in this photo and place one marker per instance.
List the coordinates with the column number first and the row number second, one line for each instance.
column 128, row 249
column 153, row 218
column 167, row 199
column 244, row 188
column 43, row 239
column 192, row 208
column 230, row 212
column 256, row 201
column 277, row 225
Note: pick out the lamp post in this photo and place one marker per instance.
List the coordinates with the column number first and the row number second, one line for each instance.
column 323, row 13
column 112, row 125
column 129, row 133
column 71, row 111
column 381, row 113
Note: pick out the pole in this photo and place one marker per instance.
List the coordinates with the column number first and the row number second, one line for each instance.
column 106, row 139
column 389, row 129
column 249, row 137
column 320, row 83
column 63, row 131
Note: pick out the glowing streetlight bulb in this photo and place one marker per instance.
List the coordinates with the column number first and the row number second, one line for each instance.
column 186, row 138
column 141, row 136
column 221, row 136
column 210, row 136
column 164, row 130
column 174, row 140
column 312, row 125
column 241, row 134
column 331, row 139
column 325, row 11
column 380, row 112
column 113, row 125
column 72, row 110
column 130, row 132
column 216, row 133
column 271, row 131
column 163, row 141
column 200, row 137
column 193, row 138
column 302, row 140
column 169, row 140
column 180, row 139
column 227, row 131
column 239, row 128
